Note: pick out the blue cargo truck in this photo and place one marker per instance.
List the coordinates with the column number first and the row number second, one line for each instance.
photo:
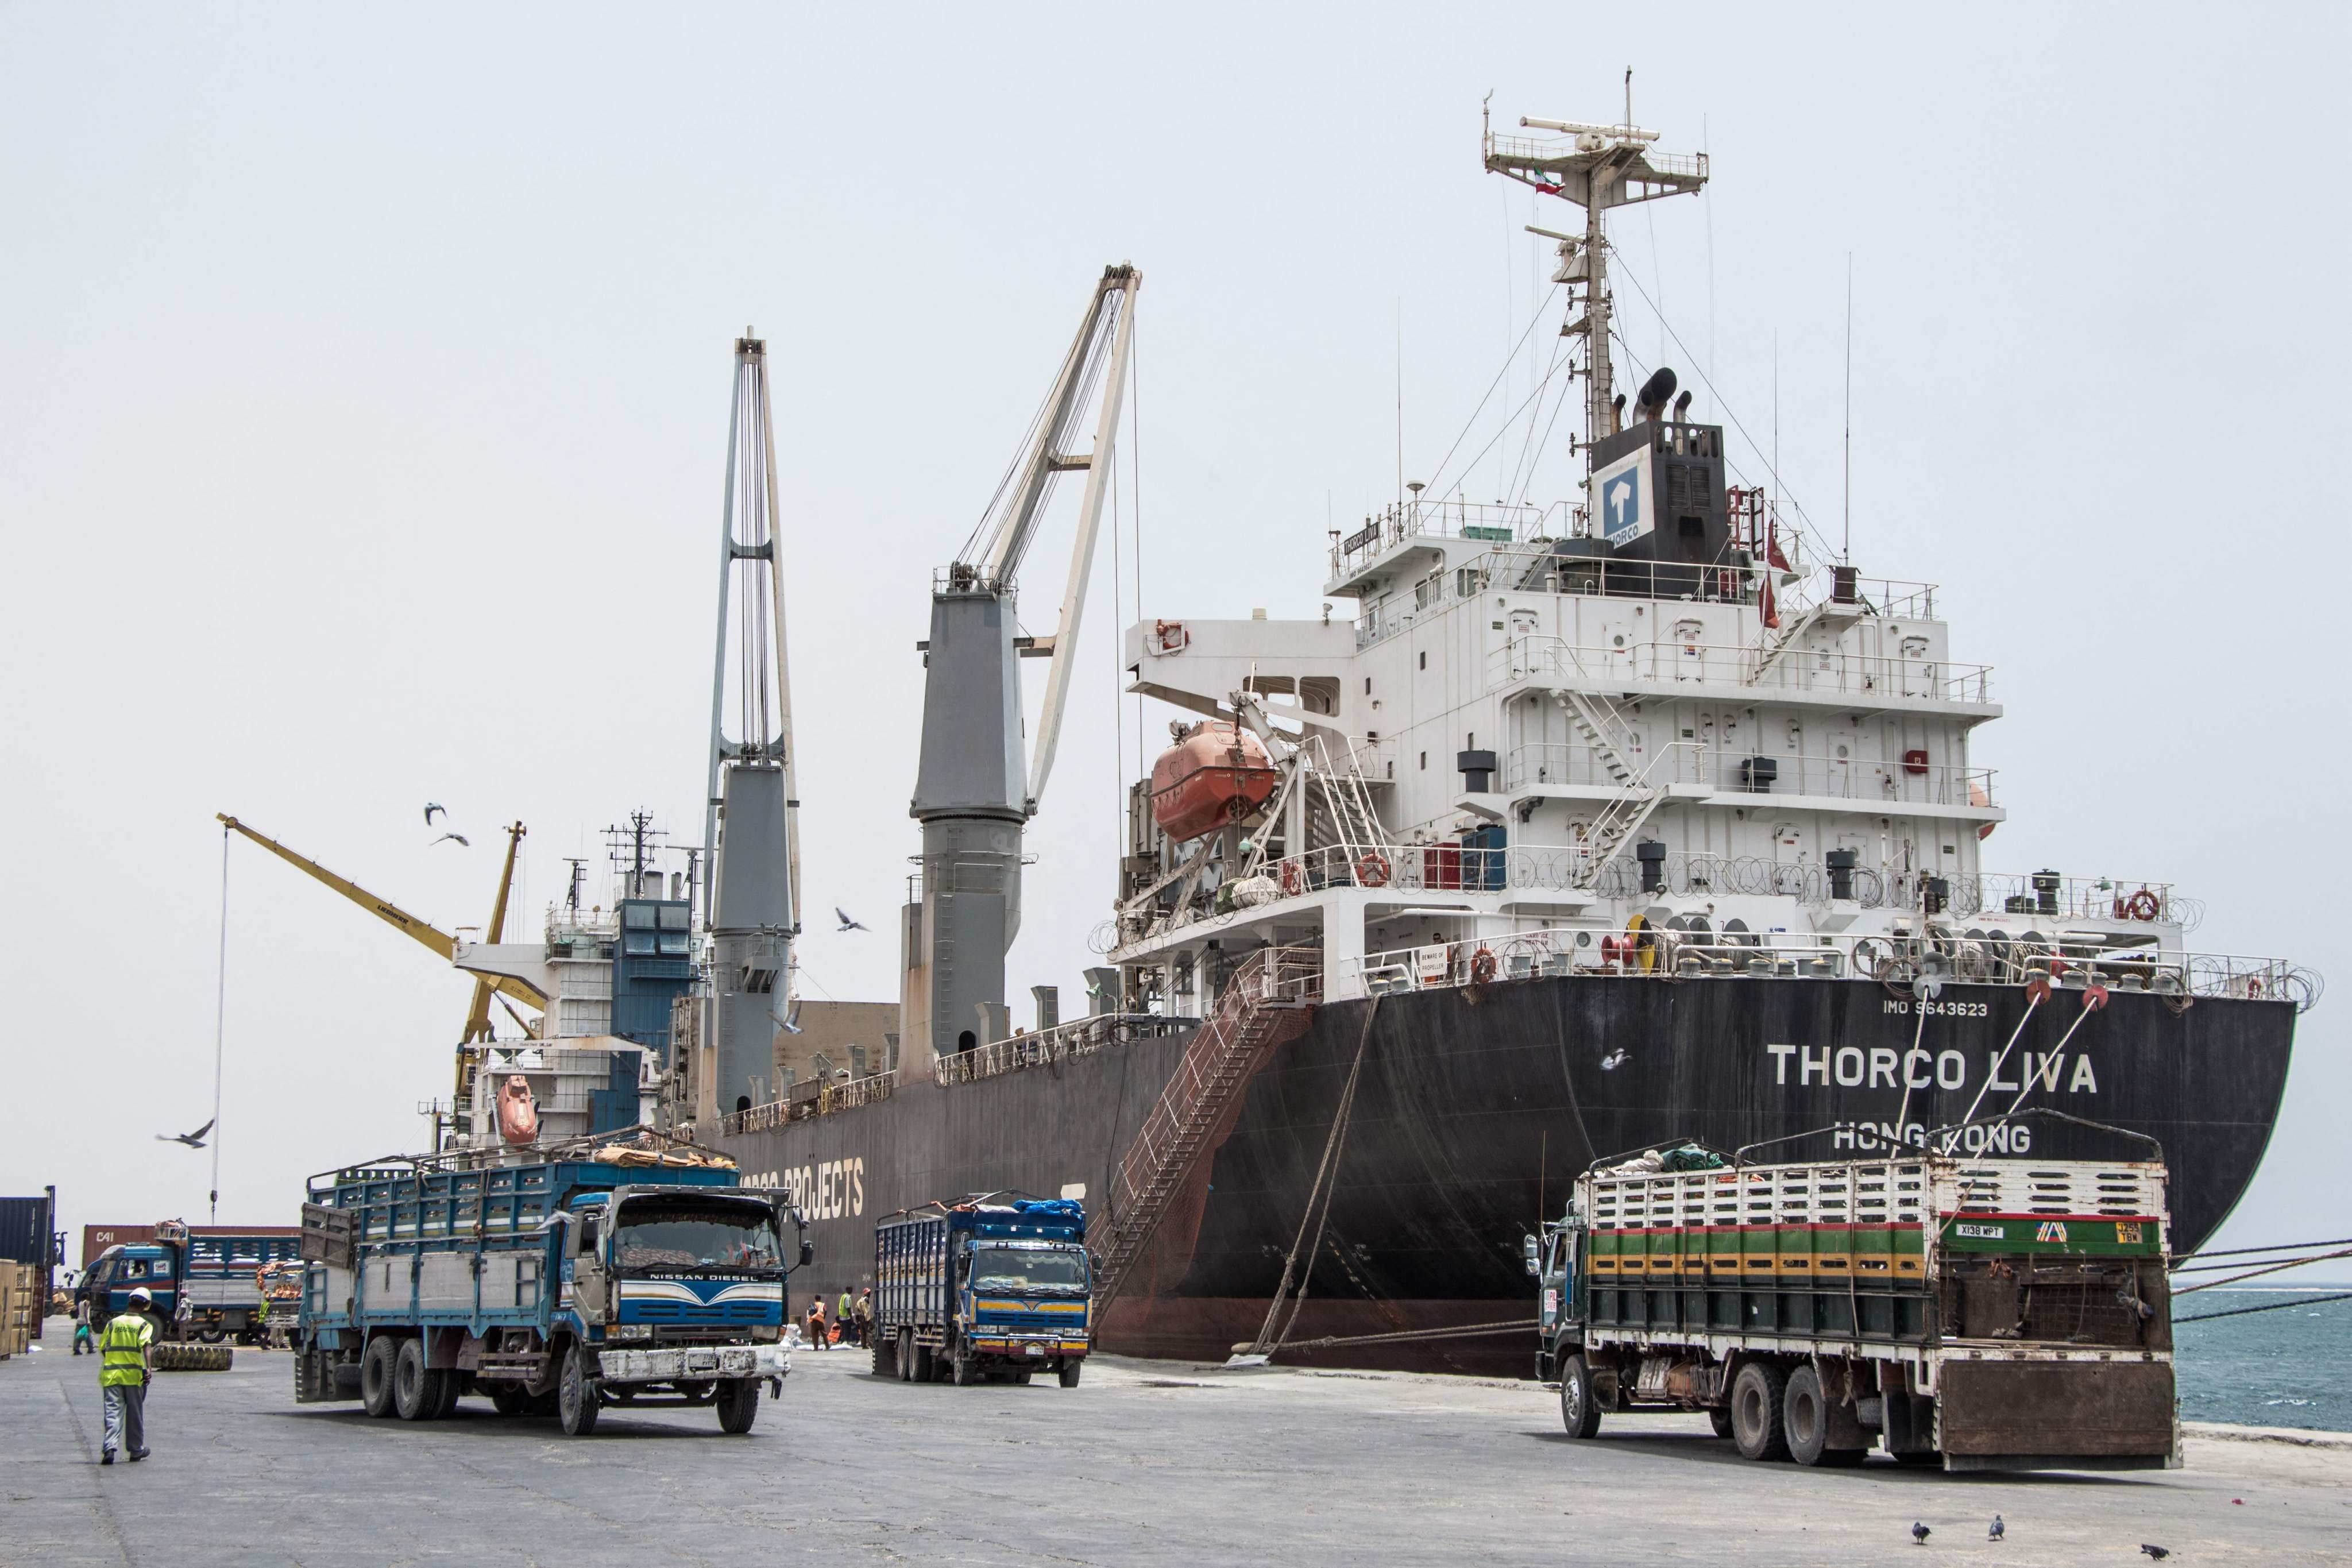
column 993, row 1287
column 557, row 1287
column 203, row 1287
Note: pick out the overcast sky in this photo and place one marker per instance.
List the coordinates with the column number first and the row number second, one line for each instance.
column 364, row 384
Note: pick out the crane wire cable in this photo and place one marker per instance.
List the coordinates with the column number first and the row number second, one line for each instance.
column 1542, row 306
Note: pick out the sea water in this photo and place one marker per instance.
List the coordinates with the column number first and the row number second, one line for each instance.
column 2292, row 1367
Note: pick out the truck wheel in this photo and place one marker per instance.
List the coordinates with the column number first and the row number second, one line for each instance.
column 212, row 1334
column 453, row 1387
column 967, row 1368
column 376, row 1376
column 1578, row 1411
column 1757, row 1424
column 906, row 1342
column 415, row 1393
column 1022, row 1378
column 508, row 1400
column 1720, row 1419
column 927, row 1363
column 1809, row 1420
column 739, row 1404
column 885, row 1357
column 1070, row 1374
column 576, row 1396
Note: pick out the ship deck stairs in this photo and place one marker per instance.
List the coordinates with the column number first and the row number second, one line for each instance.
column 1269, row 1001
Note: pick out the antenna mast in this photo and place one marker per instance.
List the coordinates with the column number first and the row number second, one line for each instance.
column 1597, row 167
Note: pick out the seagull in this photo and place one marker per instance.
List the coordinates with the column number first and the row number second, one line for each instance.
column 2159, row 1552
column 193, row 1139
column 846, row 924
column 1997, row 1531
column 430, row 807
column 1615, row 1059
column 463, row 842
column 1919, row 1532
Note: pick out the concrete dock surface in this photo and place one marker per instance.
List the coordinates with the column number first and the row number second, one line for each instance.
column 1147, row 1462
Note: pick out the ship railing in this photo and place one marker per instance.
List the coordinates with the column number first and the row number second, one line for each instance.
column 1886, row 598
column 1081, row 1037
column 1499, row 523
column 1532, row 658
column 1750, row 772
column 2019, row 900
column 802, row 1100
column 1690, row 950
column 1561, row 149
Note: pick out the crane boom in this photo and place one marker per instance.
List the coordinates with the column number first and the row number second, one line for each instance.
column 384, row 910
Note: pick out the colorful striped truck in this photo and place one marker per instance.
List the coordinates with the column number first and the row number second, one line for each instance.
column 1977, row 1313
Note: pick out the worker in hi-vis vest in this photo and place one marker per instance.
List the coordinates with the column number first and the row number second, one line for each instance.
column 126, row 1352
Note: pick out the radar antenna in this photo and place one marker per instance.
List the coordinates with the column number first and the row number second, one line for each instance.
column 1597, row 167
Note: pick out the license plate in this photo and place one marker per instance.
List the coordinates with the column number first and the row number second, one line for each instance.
column 1036, row 1349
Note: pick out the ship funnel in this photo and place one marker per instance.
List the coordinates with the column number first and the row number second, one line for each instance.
column 1654, row 393
column 1617, row 414
column 1681, row 405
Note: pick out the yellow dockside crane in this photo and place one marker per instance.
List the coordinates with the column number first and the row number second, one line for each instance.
column 478, row 1016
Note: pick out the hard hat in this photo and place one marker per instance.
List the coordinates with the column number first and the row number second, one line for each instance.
column 141, row 1294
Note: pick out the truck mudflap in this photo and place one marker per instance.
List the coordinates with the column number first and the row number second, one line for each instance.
column 2064, row 1415
column 694, row 1361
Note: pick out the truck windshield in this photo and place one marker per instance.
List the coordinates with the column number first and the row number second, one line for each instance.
column 1027, row 1269
column 669, row 1234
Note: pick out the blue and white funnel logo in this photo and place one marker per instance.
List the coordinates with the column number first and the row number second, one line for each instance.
column 1623, row 518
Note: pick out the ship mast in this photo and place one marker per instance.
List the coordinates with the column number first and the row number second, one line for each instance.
column 1599, row 167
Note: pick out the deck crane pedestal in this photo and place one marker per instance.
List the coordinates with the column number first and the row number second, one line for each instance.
column 973, row 793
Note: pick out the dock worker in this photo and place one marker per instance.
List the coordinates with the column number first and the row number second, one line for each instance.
column 864, row 1315
column 816, row 1323
column 843, row 1314
column 126, row 1360
column 84, row 1338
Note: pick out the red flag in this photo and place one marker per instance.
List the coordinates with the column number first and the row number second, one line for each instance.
column 1771, row 615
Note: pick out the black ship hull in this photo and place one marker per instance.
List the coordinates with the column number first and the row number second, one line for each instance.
column 1475, row 1109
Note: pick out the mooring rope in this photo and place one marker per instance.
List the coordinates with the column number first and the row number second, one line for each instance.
column 1267, row 1336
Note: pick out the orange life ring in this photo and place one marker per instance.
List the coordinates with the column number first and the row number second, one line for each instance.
column 2143, row 905
column 1481, row 967
column 2255, row 989
column 1373, row 870
column 1290, row 878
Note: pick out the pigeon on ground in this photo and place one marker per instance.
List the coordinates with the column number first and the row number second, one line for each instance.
column 193, row 1139
column 430, row 807
column 463, row 842
column 846, row 924
column 2159, row 1552
column 1919, row 1532
column 1998, row 1529
column 1615, row 1059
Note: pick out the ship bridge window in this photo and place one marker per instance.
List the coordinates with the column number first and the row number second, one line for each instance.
column 674, row 917
column 635, row 942
column 638, row 916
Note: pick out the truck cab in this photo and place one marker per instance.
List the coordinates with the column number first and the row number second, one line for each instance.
column 123, row 1268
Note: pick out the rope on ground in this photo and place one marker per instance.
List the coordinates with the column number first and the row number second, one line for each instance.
column 2269, row 1307
column 1464, row 1331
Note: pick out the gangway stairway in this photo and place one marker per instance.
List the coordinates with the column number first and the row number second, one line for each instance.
column 1268, row 1001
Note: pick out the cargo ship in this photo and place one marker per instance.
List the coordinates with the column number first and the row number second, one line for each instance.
column 1604, row 823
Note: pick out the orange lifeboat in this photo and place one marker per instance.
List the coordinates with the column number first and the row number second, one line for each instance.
column 517, row 1112
column 1216, row 772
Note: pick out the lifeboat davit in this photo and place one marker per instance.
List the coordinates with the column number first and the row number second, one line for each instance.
column 1216, row 772
column 517, row 1112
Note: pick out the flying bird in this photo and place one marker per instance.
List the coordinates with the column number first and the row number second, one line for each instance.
column 193, row 1139
column 1997, row 1531
column 430, row 807
column 2159, row 1552
column 1615, row 1059
column 846, row 924
column 463, row 842
column 1919, row 1532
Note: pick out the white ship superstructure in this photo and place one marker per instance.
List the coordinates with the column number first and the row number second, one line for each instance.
column 1634, row 729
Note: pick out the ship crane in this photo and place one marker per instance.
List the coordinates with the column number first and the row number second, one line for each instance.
column 478, row 1014
column 973, row 793
column 750, row 837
